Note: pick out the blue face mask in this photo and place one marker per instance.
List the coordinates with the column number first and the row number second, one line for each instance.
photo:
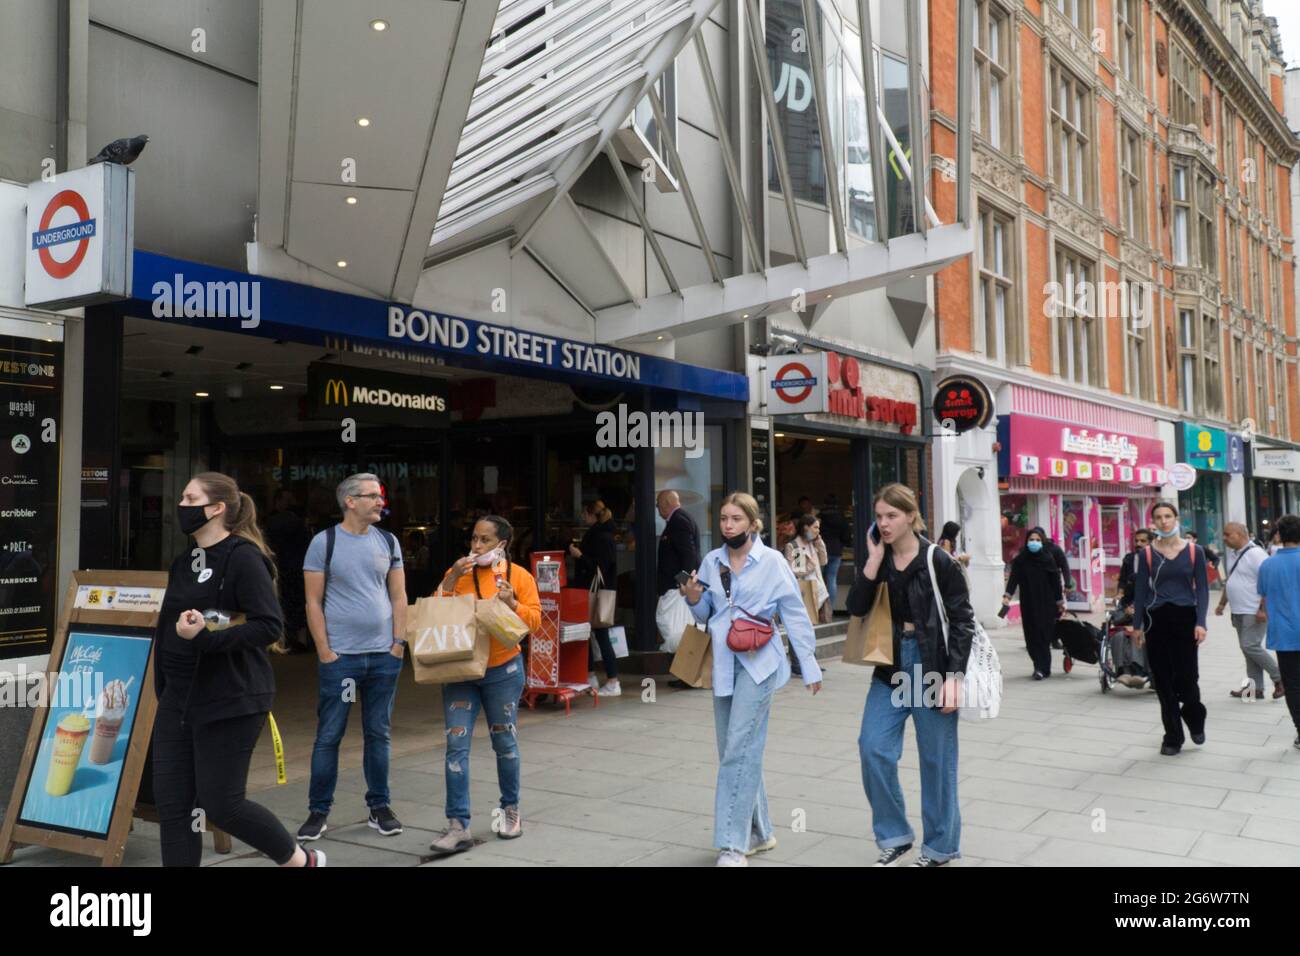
column 1035, row 547
column 1167, row 534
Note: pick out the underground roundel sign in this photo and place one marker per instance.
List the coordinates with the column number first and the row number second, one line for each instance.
column 796, row 384
column 78, row 237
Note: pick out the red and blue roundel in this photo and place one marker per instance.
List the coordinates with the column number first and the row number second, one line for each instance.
column 78, row 232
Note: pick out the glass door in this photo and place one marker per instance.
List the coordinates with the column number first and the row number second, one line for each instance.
column 1077, row 543
column 1114, row 532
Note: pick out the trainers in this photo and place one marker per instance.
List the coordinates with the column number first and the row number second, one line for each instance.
column 1245, row 696
column 731, row 858
column 1169, row 750
column 760, row 846
column 511, row 826
column 315, row 858
column 1297, row 743
column 593, row 680
column 611, row 688
column 1038, row 675
column 926, row 861
column 314, row 827
column 382, row 819
column 1278, row 691
column 455, row 839
column 891, row 856
column 1198, row 739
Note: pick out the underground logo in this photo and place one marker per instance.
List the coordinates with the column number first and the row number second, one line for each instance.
column 794, row 382
column 79, row 232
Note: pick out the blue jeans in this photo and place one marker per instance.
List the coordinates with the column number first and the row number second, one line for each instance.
column 880, row 744
column 496, row 693
column 830, row 573
column 740, row 806
column 374, row 682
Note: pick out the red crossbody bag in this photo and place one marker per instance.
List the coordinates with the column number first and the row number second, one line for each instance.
column 747, row 633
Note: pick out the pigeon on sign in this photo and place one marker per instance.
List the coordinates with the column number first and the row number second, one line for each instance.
column 122, row 151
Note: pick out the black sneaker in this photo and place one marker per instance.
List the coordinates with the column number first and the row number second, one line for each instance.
column 1297, row 743
column 926, row 861
column 1169, row 750
column 1198, row 739
column 1038, row 675
column 314, row 827
column 891, row 856
column 382, row 819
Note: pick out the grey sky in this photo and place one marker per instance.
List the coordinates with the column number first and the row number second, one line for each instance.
column 1288, row 22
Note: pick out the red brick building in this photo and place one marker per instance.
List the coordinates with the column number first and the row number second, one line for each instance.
column 1130, row 303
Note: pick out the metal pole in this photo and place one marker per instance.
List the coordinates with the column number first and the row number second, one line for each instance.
column 873, row 120
column 916, row 116
column 670, row 144
column 641, row 217
column 817, row 61
column 965, row 84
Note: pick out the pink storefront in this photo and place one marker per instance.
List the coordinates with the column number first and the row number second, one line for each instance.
column 1086, row 473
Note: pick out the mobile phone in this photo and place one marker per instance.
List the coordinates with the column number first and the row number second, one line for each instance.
column 1006, row 609
column 683, row 578
column 874, row 533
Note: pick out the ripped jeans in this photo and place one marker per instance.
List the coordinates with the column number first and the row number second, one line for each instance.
column 497, row 694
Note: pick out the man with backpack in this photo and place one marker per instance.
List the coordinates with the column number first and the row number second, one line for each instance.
column 356, row 610
column 1241, row 596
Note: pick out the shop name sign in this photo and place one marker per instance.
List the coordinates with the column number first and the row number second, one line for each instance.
column 80, row 237
column 1281, row 464
column 495, row 341
column 366, row 395
column 1117, row 448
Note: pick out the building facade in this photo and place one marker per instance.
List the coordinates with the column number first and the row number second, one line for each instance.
column 1130, row 301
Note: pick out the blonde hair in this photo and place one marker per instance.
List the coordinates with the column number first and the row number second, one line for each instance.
column 903, row 498
column 746, row 503
column 598, row 509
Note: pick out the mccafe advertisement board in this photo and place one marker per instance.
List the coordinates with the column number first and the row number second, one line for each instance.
column 376, row 397
column 31, row 383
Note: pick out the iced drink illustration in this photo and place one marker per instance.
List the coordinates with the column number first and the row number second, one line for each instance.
column 69, row 740
column 112, row 709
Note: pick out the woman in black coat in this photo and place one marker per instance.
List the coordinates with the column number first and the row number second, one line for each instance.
column 1034, row 571
column 597, row 552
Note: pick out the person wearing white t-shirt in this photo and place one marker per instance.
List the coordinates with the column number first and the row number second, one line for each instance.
column 1249, row 617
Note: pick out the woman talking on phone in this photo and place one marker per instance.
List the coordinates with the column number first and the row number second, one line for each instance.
column 927, row 686
column 735, row 593
column 214, row 681
column 1170, row 601
column 487, row 570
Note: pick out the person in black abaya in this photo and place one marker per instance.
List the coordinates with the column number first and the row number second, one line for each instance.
column 1034, row 571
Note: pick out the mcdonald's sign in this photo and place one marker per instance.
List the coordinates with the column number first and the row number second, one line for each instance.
column 376, row 397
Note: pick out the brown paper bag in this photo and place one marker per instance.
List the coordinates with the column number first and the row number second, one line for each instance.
column 496, row 619
column 470, row 669
column 693, row 662
column 870, row 640
column 441, row 629
column 808, row 591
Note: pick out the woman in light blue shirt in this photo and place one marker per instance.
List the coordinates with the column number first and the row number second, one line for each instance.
column 745, row 580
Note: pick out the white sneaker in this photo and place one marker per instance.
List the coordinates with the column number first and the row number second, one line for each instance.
column 610, row 689
column 756, row 847
column 593, row 680
column 731, row 858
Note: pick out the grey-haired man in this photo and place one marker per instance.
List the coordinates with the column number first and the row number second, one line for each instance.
column 356, row 610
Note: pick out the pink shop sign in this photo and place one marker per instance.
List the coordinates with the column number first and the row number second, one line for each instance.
column 1043, row 448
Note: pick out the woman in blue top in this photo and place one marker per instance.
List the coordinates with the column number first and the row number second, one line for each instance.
column 1172, row 595
column 746, row 580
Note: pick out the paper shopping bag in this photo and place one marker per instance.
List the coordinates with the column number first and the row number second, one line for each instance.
column 455, row 671
column 600, row 606
column 499, row 621
column 441, row 629
column 870, row 640
column 808, row 591
column 693, row 662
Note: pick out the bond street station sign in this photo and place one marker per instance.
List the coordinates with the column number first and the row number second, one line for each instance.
column 80, row 237
column 376, row 397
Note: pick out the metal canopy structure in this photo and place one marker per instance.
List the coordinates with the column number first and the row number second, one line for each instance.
column 467, row 125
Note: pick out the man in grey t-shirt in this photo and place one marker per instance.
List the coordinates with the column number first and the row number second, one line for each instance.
column 356, row 611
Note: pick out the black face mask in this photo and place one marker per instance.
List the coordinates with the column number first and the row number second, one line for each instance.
column 737, row 542
column 191, row 517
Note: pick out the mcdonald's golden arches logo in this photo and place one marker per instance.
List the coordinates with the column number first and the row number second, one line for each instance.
column 336, row 392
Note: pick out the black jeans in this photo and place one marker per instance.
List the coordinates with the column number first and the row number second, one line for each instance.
column 1172, row 654
column 206, row 767
column 1288, row 662
column 601, row 634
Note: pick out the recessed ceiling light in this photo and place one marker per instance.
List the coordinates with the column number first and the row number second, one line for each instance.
column 342, row 263
column 780, row 434
column 352, row 200
column 659, row 338
column 379, row 26
column 363, row 121
column 821, row 439
column 200, row 394
column 828, row 295
column 277, row 388
column 745, row 316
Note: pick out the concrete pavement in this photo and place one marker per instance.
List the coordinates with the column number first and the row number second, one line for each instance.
column 1066, row 776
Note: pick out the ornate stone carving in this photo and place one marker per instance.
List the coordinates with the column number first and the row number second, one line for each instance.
column 1133, row 101
column 1183, row 139
column 1162, row 57
column 1164, row 205
column 1135, row 257
column 1075, row 219
column 1207, row 110
column 1186, row 280
column 994, row 171
column 1066, row 39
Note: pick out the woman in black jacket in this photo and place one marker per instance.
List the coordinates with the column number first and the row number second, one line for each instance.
column 597, row 551
column 928, row 682
column 214, row 682
column 1034, row 571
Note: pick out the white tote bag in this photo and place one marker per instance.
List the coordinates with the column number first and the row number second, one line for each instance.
column 981, row 693
column 672, row 616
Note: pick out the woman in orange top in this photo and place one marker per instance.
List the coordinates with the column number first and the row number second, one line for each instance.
column 485, row 571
